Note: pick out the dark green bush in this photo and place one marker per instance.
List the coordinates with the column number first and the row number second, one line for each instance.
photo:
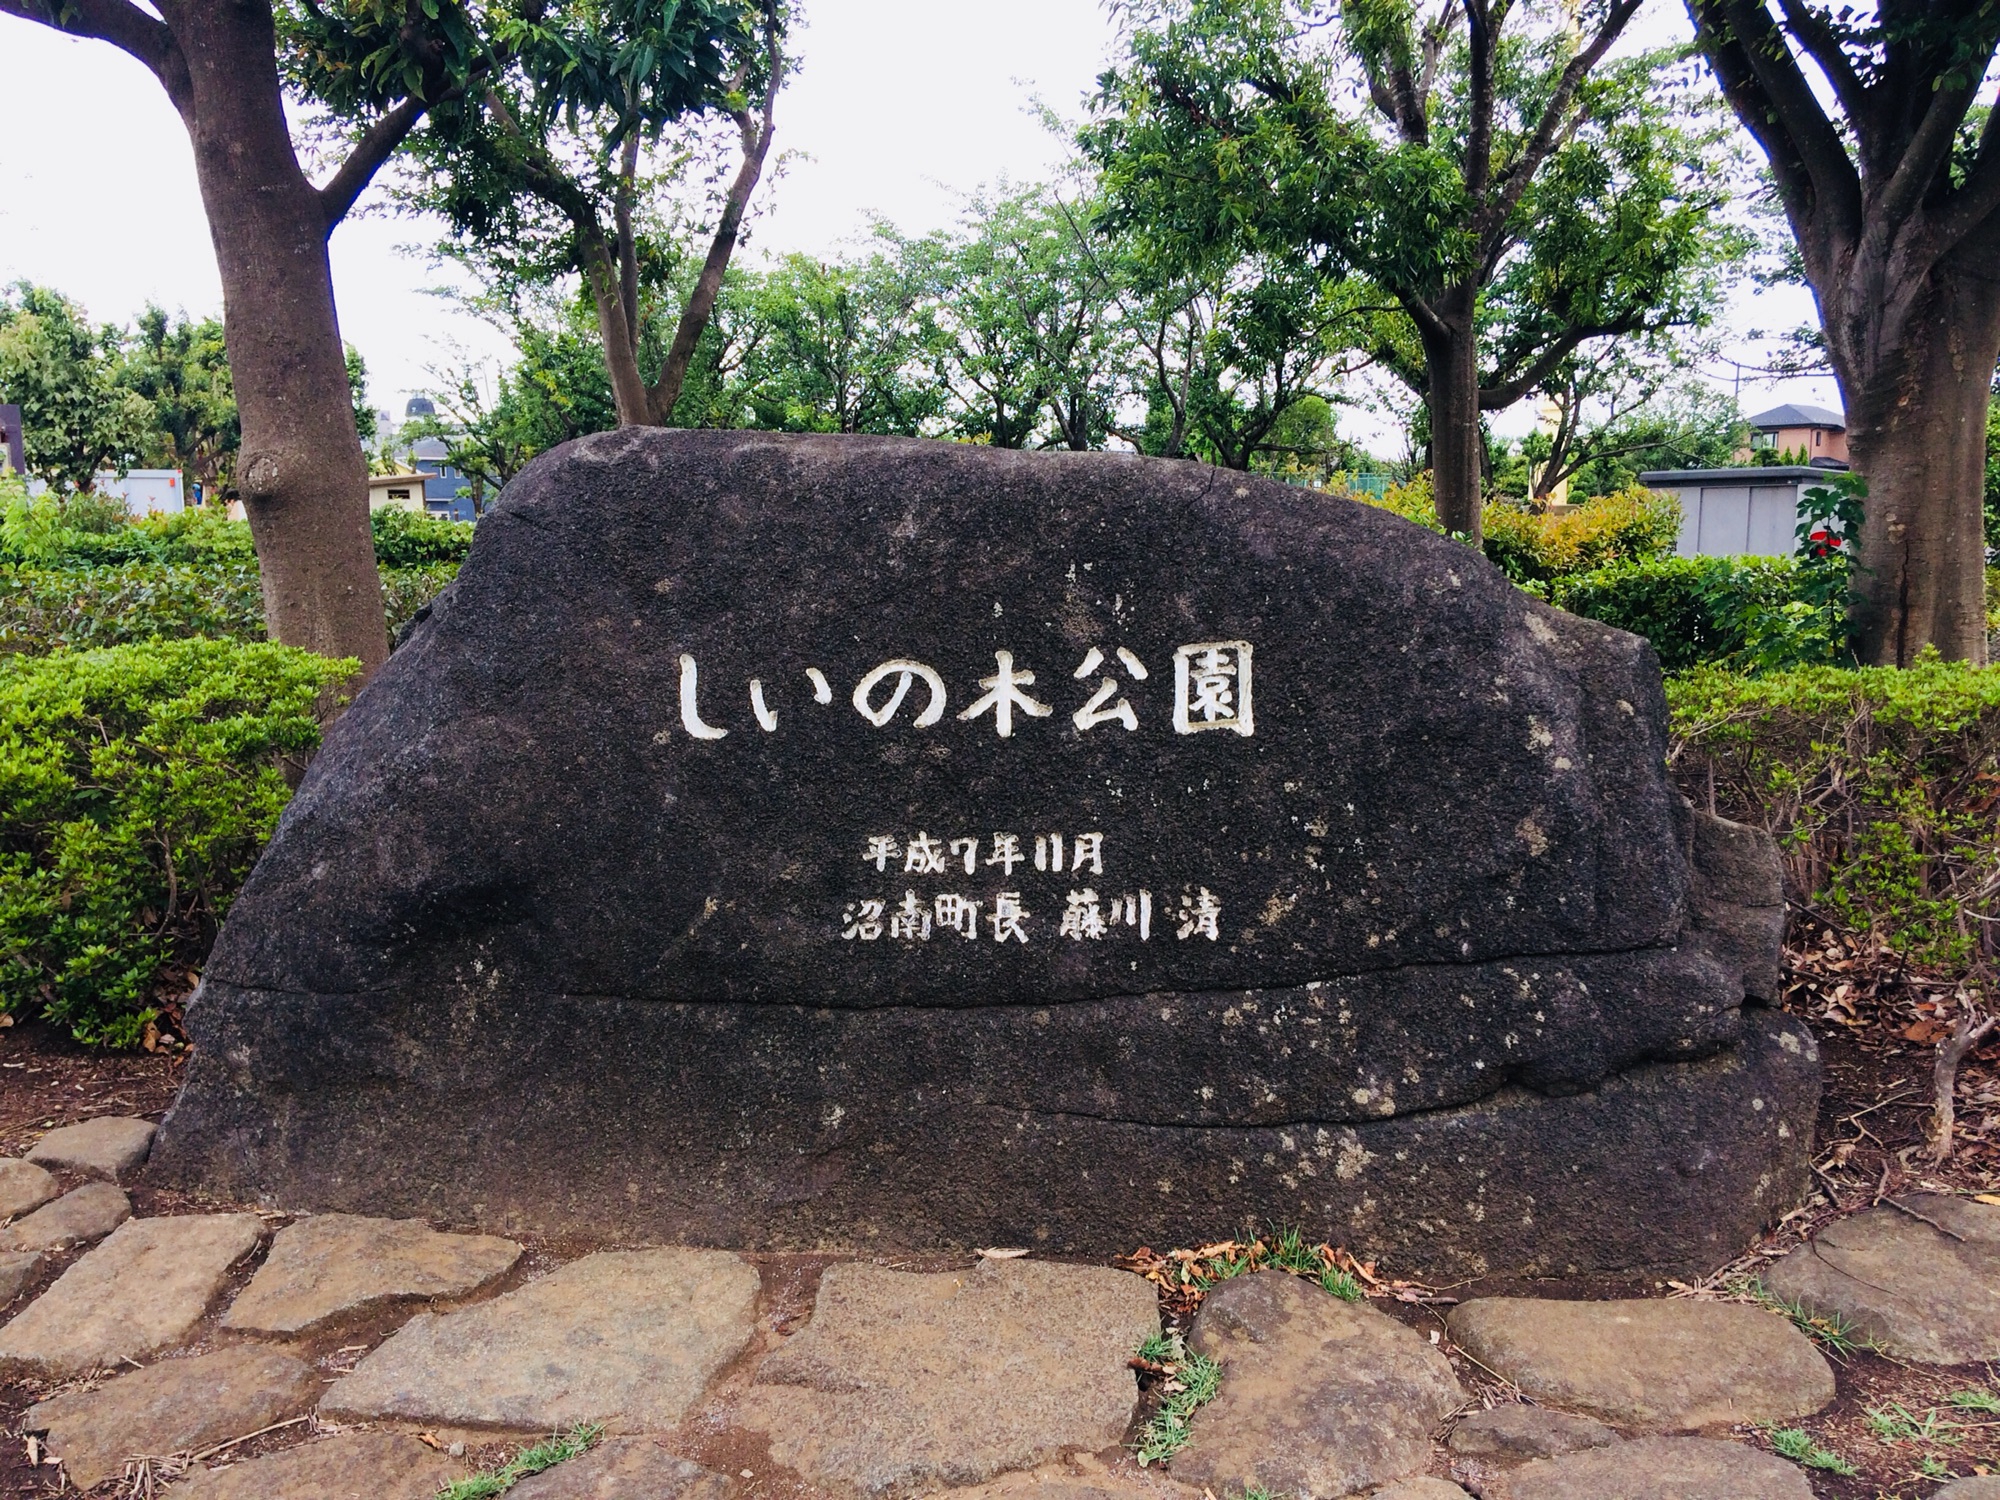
column 137, row 785
column 1756, row 614
column 404, row 539
column 43, row 533
column 54, row 609
column 1881, row 786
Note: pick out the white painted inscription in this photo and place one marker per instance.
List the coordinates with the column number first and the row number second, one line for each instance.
column 1004, row 916
column 1212, row 690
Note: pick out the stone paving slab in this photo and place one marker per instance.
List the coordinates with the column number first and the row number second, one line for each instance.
column 1671, row 1366
column 629, row 1338
column 631, row 1468
column 1319, row 1397
column 349, row 1466
column 109, row 1146
column 24, row 1187
column 176, row 1406
column 17, row 1269
column 1982, row 1487
column 335, row 1265
column 1655, row 1469
column 1082, row 1477
column 1916, row 1291
column 140, row 1291
column 905, row 1383
column 1422, row 1487
column 77, row 1218
column 1516, row 1433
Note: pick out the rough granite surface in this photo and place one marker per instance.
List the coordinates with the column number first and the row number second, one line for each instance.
column 1319, row 1398
column 175, row 1406
column 881, row 1394
column 1655, row 1469
column 141, row 1291
column 348, row 1466
column 80, row 1217
column 109, row 1146
column 1668, row 1365
column 1903, row 1283
column 333, row 1265
column 627, row 1338
column 24, row 1187
column 1369, row 838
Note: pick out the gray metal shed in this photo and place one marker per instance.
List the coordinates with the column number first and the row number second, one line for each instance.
column 1750, row 512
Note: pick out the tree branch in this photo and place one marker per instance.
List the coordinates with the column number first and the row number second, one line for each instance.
column 1925, row 156
column 1505, row 393
column 1513, row 182
column 377, row 144
column 1810, row 27
column 1973, row 205
column 124, row 25
column 1776, row 104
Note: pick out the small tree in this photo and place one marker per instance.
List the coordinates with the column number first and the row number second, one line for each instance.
column 225, row 65
column 555, row 167
column 1890, row 177
column 182, row 370
column 75, row 417
column 1510, row 193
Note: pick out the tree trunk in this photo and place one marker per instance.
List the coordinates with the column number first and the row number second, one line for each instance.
column 301, row 472
column 1916, row 394
column 1451, row 361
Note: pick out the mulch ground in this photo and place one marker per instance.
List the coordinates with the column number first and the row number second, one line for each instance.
column 1878, row 1025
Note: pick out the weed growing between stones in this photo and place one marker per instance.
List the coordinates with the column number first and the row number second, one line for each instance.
column 1796, row 1444
column 526, row 1463
column 1188, row 1382
column 1185, row 1276
column 1830, row 1331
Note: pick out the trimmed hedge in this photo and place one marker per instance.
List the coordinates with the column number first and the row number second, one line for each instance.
column 404, row 539
column 1531, row 548
column 1706, row 609
column 137, row 786
column 57, row 609
column 1881, row 786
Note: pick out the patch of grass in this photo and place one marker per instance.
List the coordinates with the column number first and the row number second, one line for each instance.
column 1796, row 1444
column 1829, row 1330
column 1977, row 1400
column 529, row 1461
column 1189, row 1383
column 1342, row 1284
column 1896, row 1423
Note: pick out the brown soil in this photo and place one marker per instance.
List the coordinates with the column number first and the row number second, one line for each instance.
column 1871, row 1143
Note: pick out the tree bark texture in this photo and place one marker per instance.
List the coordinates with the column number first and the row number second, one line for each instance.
column 1899, row 233
column 301, row 473
column 1915, row 357
column 1451, row 359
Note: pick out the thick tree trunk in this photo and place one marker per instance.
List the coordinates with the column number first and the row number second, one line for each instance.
column 301, row 472
column 1451, row 360
column 1916, row 378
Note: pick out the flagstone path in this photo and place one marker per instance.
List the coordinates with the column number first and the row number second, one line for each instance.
column 222, row 1356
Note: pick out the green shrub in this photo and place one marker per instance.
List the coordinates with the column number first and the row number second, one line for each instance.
column 55, row 609
column 1744, row 611
column 137, row 785
column 405, row 539
column 84, row 533
column 1881, row 786
column 1632, row 525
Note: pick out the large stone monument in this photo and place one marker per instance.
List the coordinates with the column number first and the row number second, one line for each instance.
column 787, row 841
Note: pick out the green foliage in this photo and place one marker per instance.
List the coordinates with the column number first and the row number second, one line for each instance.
column 137, row 785
column 1833, row 1332
column 1881, row 786
column 407, row 539
column 1796, row 1444
column 70, row 608
column 529, row 1461
column 1744, row 612
column 181, row 369
column 1188, row 1382
column 76, row 418
column 1633, row 526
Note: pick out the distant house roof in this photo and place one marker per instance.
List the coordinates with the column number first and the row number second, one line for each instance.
column 430, row 447
column 1791, row 415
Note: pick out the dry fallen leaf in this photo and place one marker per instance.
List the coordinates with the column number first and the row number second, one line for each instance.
column 1000, row 1254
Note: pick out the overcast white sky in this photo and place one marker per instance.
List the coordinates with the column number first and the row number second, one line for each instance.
column 901, row 105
